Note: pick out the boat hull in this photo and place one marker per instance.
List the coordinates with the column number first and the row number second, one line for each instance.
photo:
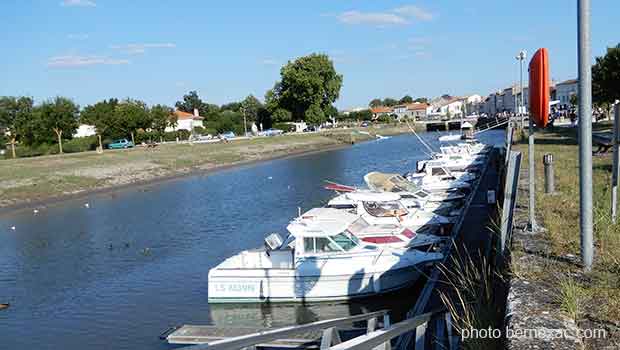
column 284, row 285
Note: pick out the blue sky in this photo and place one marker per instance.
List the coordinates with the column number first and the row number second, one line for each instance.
column 158, row 50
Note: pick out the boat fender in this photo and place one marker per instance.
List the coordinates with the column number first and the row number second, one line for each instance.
column 376, row 282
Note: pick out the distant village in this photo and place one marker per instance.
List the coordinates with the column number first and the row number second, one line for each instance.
column 452, row 107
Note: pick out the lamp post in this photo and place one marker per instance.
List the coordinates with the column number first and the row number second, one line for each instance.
column 245, row 124
column 521, row 57
column 585, row 133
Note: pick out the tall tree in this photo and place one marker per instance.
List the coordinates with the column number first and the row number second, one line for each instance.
column 406, row 100
column 162, row 117
column 15, row 115
column 132, row 115
column 59, row 115
column 103, row 117
column 376, row 102
column 309, row 82
column 421, row 100
column 389, row 102
column 250, row 106
column 315, row 115
column 192, row 101
column 606, row 78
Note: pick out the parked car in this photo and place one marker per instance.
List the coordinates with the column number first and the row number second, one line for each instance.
column 365, row 124
column 122, row 143
column 311, row 128
column 270, row 132
column 227, row 135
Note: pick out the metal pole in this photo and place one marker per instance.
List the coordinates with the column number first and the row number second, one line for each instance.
column 585, row 133
column 245, row 125
column 532, row 178
column 521, row 88
column 616, row 169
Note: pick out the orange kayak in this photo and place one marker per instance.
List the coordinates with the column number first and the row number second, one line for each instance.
column 539, row 88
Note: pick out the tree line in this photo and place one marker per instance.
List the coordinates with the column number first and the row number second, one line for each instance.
column 390, row 102
column 306, row 91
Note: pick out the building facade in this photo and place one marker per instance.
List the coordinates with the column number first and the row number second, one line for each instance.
column 565, row 90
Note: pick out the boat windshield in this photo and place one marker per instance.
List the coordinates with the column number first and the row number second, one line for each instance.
column 346, row 241
column 401, row 184
column 358, row 226
column 437, row 171
column 385, row 209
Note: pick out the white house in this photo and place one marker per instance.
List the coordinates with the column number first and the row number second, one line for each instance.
column 85, row 130
column 414, row 110
column 186, row 121
column 565, row 90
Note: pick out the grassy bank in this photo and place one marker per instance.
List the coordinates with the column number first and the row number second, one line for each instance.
column 592, row 299
column 38, row 179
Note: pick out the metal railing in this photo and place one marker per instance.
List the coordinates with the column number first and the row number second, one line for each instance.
column 328, row 327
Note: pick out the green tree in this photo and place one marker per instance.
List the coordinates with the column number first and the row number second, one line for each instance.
column 421, row 100
column 132, row 115
column 406, row 100
column 103, row 117
column 15, row 116
column 389, row 102
column 315, row 115
column 281, row 115
column 192, row 101
column 606, row 78
column 59, row 115
column 309, row 82
column 250, row 106
column 574, row 101
column 375, row 102
column 162, row 117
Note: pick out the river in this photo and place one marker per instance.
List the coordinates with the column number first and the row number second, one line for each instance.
column 112, row 271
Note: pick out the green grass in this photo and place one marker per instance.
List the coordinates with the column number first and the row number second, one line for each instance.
column 578, row 297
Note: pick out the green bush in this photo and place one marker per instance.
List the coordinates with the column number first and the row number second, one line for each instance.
column 34, row 150
column 80, row 144
column 146, row 137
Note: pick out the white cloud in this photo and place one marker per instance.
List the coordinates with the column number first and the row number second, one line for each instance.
column 72, row 61
column 398, row 16
column 78, row 3
column 373, row 18
column 413, row 11
column 77, row 36
column 269, row 62
column 135, row 49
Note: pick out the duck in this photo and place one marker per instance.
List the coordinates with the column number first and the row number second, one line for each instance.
column 4, row 306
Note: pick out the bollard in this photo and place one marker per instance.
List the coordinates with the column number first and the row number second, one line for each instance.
column 549, row 181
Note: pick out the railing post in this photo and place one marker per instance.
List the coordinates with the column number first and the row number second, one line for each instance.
column 420, row 334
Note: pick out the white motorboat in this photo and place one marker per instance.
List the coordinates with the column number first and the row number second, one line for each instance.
column 383, row 208
column 433, row 171
column 387, row 235
column 435, row 184
column 395, row 183
column 319, row 261
column 450, row 138
column 455, row 162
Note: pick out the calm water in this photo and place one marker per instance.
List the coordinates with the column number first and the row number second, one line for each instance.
column 116, row 274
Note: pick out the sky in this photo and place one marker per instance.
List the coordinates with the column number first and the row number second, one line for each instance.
column 156, row 51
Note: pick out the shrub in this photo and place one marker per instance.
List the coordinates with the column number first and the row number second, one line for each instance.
column 80, row 144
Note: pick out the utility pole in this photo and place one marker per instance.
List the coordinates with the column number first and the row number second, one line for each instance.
column 521, row 57
column 615, row 174
column 245, row 125
column 585, row 133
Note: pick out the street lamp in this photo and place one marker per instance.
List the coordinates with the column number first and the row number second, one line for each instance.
column 521, row 57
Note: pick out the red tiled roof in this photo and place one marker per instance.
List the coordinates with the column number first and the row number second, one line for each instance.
column 381, row 109
column 184, row 115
